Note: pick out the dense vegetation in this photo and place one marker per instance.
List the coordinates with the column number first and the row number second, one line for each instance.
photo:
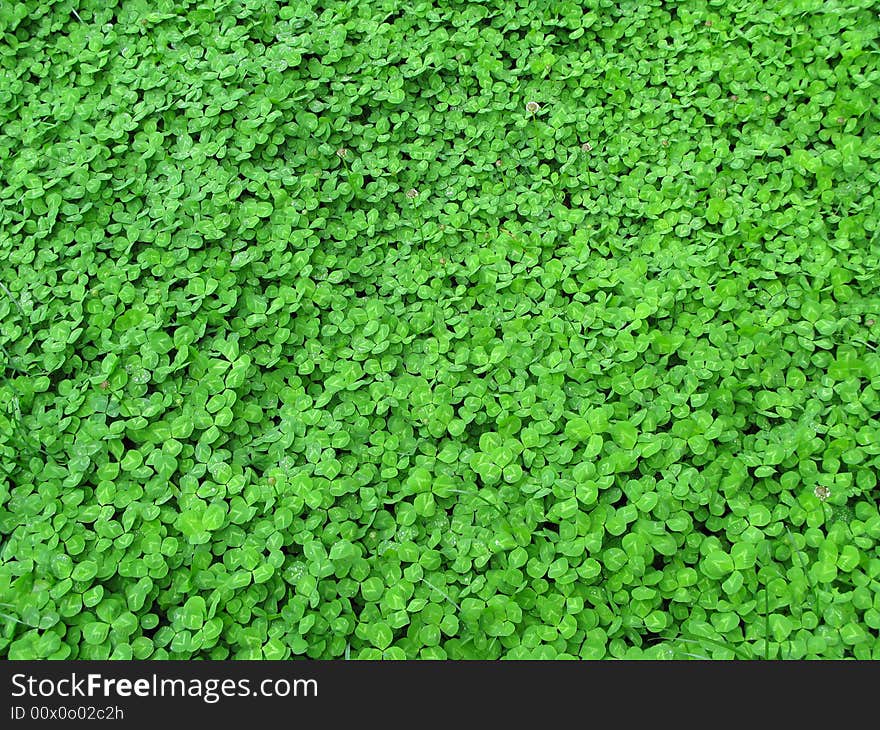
column 526, row 329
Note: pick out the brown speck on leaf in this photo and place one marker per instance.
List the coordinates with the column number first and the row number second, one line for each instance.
column 708, row 23
column 442, row 261
column 105, row 384
column 664, row 142
column 734, row 97
column 870, row 322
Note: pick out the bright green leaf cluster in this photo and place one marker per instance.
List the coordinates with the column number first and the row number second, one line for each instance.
column 524, row 329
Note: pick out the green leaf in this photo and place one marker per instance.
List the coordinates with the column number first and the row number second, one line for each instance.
column 193, row 613
column 717, row 564
column 624, row 434
column 85, row 571
column 578, row 429
column 381, row 635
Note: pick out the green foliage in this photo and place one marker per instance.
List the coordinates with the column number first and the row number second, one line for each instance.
column 530, row 330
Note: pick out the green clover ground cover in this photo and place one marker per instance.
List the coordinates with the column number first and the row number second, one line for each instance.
column 527, row 329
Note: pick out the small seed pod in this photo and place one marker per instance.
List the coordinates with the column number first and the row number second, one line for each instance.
column 822, row 493
column 533, row 107
column 586, row 147
column 841, row 120
column 342, row 153
column 412, row 193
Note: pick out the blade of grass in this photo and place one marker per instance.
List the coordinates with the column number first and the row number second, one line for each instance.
column 802, row 561
column 718, row 645
column 477, row 494
column 442, row 593
column 12, row 299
